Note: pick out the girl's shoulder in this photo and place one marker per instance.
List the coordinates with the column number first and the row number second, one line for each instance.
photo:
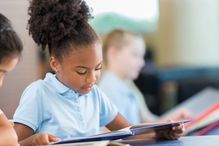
column 37, row 90
column 97, row 93
column 35, row 85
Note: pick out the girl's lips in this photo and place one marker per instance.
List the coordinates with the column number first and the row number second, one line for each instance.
column 88, row 87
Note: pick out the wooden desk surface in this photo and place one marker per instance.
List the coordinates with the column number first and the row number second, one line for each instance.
column 183, row 141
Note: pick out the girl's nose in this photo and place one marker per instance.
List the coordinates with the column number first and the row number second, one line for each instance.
column 91, row 78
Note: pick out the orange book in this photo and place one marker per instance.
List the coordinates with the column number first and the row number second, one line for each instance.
column 206, row 118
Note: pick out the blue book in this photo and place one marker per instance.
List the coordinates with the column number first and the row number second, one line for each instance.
column 126, row 132
column 99, row 137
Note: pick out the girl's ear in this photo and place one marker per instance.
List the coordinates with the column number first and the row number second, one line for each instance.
column 54, row 64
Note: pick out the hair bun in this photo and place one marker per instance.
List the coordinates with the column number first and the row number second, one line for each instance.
column 52, row 20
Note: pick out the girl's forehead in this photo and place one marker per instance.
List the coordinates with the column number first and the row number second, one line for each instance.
column 88, row 50
column 85, row 55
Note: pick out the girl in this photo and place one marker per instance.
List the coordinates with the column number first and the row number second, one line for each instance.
column 10, row 51
column 68, row 103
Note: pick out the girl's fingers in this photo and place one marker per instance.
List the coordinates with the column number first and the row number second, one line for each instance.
column 179, row 129
column 53, row 138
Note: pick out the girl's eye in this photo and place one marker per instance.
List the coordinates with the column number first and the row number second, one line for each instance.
column 81, row 71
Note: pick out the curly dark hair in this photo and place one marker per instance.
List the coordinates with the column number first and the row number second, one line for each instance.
column 60, row 24
column 10, row 43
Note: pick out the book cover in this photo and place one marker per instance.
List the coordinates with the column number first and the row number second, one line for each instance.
column 99, row 137
column 126, row 132
column 94, row 143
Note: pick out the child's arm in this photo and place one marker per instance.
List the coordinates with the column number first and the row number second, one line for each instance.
column 26, row 136
column 7, row 134
column 120, row 122
column 23, row 131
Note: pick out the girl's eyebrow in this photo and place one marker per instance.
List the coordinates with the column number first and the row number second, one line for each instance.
column 88, row 67
column 81, row 67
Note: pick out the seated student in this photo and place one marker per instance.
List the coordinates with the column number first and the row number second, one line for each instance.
column 123, row 53
column 68, row 104
column 10, row 51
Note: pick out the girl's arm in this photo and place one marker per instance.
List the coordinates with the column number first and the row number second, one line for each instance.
column 120, row 122
column 26, row 136
column 23, row 131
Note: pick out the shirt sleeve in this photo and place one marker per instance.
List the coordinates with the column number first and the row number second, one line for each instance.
column 108, row 110
column 29, row 110
column 1, row 112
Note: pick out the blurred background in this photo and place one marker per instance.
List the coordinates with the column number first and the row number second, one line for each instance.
column 182, row 47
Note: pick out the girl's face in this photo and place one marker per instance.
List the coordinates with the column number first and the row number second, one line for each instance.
column 6, row 66
column 130, row 58
column 81, row 69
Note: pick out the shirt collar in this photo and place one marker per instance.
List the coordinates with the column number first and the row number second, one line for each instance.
column 53, row 81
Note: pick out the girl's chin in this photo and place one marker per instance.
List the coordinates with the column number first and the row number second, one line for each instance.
column 85, row 90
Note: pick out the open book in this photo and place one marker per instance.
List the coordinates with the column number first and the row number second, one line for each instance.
column 94, row 143
column 126, row 132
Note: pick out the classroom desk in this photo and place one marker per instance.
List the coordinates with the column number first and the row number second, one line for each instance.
column 183, row 141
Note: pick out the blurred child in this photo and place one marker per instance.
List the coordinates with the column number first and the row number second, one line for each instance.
column 67, row 104
column 123, row 53
column 10, row 52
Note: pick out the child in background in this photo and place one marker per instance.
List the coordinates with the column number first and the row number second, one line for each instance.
column 68, row 104
column 10, row 52
column 123, row 53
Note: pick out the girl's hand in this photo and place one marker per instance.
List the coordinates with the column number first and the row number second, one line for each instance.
column 43, row 139
column 173, row 133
